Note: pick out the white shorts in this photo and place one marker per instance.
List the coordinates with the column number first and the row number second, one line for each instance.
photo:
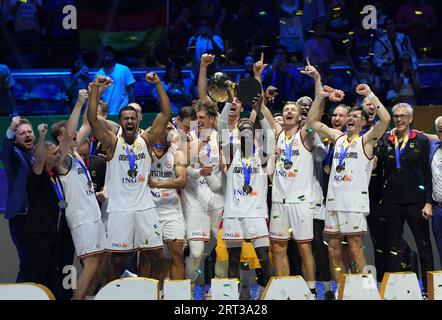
column 244, row 228
column 199, row 223
column 134, row 230
column 89, row 239
column 173, row 227
column 345, row 222
column 291, row 220
column 318, row 209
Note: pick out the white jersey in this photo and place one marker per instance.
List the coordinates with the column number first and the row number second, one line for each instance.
column 164, row 169
column 348, row 189
column 197, row 193
column 239, row 204
column 295, row 184
column 82, row 207
column 128, row 193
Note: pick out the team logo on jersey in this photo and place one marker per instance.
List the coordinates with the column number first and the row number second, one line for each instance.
column 295, row 143
column 241, row 192
column 344, row 178
column 168, row 165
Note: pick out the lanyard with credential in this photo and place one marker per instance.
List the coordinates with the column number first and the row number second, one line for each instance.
column 289, row 147
column 62, row 204
column 399, row 150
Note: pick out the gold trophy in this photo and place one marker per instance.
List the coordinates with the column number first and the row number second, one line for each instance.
column 221, row 89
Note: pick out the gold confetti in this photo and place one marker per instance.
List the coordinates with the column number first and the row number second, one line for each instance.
column 351, row 33
column 289, row 230
column 346, row 41
column 337, row 269
column 393, row 253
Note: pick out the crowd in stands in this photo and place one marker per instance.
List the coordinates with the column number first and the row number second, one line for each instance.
column 237, row 32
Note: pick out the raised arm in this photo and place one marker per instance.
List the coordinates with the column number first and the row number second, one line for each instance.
column 40, row 149
column 158, row 132
column 258, row 68
column 105, row 136
column 375, row 133
column 8, row 155
column 75, row 115
column 315, row 114
column 206, row 60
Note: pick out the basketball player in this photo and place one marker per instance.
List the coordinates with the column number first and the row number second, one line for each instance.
column 245, row 210
column 293, row 194
column 203, row 200
column 347, row 201
column 133, row 221
column 82, row 211
column 167, row 176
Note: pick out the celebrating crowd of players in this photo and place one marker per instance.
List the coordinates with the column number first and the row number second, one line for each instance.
column 181, row 180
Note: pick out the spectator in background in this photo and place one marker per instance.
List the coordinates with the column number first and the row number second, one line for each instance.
column 313, row 10
column 338, row 23
column 212, row 10
column 243, row 28
column 361, row 44
column 7, row 98
column 365, row 74
column 121, row 92
column 180, row 31
column 282, row 76
column 178, row 89
column 291, row 32
column 406, row 84
column 319, row 50
column 27, row 30
column 204, row 41
column 61, row 40
column 389, row 48
column 249, row 61
column 78, row 79
column 419, row 21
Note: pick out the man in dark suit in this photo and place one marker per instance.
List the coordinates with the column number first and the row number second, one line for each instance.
column 17, row 157
column 407, row 191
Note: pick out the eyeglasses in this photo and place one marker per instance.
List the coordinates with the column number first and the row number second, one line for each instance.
column 401, row 116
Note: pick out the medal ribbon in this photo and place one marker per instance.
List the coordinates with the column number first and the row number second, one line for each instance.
column 344, row 148
column 56, row 184
column 130, row 154
column 85, row 169
column 247, row 167
column 400, row 150
column 289, row 148
column 208, row 148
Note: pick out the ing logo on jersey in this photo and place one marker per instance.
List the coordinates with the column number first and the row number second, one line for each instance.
column 162, row 194
column 129, row 180
column 231, row 234
column 240, row 192
column 344, row 178
column 289, row 174
column 199, row 234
